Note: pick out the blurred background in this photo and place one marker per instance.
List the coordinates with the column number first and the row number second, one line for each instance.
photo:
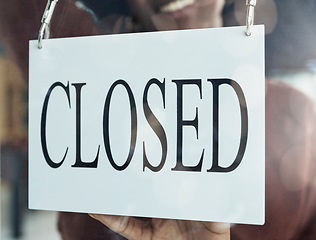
column 290, row 58
column 17, row 222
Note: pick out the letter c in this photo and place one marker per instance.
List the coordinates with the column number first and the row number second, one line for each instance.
column 49, row 161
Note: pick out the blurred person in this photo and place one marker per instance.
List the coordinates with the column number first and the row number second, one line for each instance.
column 290, row 120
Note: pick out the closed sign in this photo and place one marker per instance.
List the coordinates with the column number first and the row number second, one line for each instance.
column 165, row 124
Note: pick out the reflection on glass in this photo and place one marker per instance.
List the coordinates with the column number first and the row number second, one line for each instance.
column 290, row 134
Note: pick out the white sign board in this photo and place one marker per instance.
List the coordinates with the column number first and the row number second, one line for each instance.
column 166, row 124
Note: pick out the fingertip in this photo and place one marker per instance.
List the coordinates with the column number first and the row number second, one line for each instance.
column 92, row 215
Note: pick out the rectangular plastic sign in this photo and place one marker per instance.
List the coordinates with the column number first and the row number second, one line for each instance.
column 165, row 124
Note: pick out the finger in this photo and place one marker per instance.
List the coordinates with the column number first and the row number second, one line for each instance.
column 128, row 227
column 221, row 229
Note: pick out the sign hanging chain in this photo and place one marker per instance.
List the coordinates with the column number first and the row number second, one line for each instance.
column 250, row 15
column 47, row 16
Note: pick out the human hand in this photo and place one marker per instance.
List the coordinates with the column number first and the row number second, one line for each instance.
column 145, row 229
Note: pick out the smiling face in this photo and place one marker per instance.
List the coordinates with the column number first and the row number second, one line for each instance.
column 177, row 14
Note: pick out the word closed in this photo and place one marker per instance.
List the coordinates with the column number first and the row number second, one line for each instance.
column 154, row 123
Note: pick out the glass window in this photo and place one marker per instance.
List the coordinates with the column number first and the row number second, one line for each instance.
column 290, row 117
